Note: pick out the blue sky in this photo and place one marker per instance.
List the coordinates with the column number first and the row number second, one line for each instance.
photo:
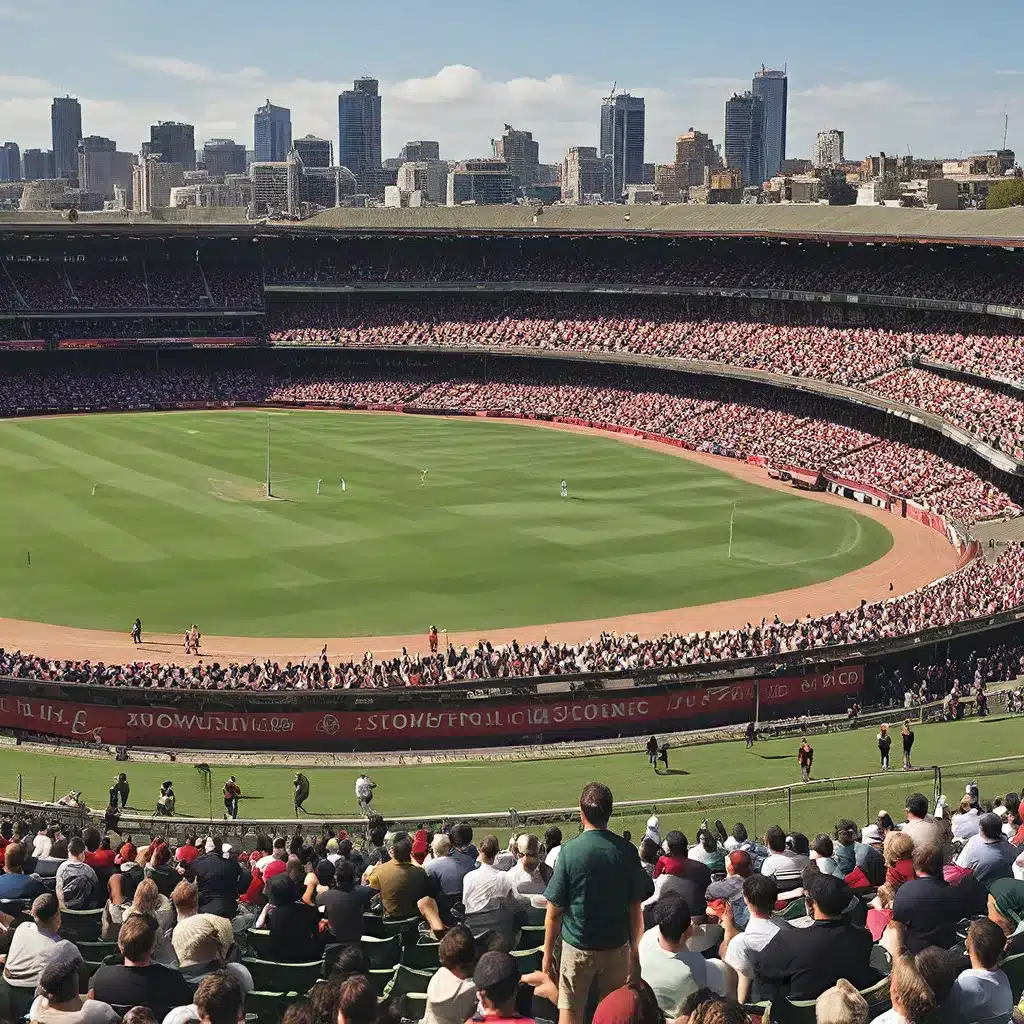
column 934, row 78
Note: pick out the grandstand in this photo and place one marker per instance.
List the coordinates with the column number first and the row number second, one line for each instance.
column 848, row 352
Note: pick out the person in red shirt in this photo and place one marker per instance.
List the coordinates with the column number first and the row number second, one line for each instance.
column 95, row 856
column 432, row 639
column 188, row 851
column 496, row 977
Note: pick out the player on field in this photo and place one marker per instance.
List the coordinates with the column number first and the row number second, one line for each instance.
column 432, row 639
column 232, row 791
column 137, row 631
column 565, row 489
column 364, row 793
column 301, row 786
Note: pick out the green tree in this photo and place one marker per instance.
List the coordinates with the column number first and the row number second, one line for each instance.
column 1005, row 194
column 838, row 192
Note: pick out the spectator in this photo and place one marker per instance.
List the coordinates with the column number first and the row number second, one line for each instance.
column 841, row 1004
column 401, row 883
column 649, row 855
column 922, row 827
column 293, row 923
column 742, row 950
column 487, row 888
column 188, row 851
column 445, row 871
column 58, row 1000
column 221, row 879
column 677, row 862
column 43, row 842
column 32, row 946
column 77, row 884
column 880, row 912
column 552, row 845
column 738, row 868
column 357, row 1001
column 782, row 863
column 496, row 977
column 928, row 907
column 982, row 992
column 99, row 859
column 989, row 854
column 631, row 1004
column 202, row 944
column 822, row 858
column 1006, row 909
column 851, row 854
column 531, row 875
column 148, row 900
column 594, row 899
column 138, row 980
column 344, row 904
column 451, row 992
column 912, row 997
column 14, row 883
column 376, row 851
column 810, row 960
column 965, row 821
column 898, row 853
column 708, row 851
column 219, row 999
column 740, row 840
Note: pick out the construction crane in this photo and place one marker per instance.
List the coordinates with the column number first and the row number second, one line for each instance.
column 611, row 95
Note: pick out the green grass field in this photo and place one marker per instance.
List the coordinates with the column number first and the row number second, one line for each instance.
column 448, row 789
column 178, row 529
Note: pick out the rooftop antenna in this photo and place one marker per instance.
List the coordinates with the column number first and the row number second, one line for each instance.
column 1006, row 128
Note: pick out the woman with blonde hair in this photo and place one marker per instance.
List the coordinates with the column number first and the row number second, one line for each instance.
column 966, row 821
column 898, row 851
column 149, row 900
column 912, row 998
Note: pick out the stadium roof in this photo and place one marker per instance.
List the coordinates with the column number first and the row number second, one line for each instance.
column 824, row 223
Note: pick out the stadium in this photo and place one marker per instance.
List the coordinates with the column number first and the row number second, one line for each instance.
column 481, row 504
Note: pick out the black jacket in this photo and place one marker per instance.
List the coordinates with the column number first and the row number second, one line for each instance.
column 220, row 883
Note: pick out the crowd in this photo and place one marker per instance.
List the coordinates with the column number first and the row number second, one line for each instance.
column 913, row 920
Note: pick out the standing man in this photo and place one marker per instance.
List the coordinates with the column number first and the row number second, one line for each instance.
column 652, row 752
column 908, row 743
column 137, row 631
column 119, row 791
column 565, row 489
column 594, row 900
column 301, row 786
column 364, row 794
column 432, row 639
column 232, row 791
column 805, row 755
column 750, row 735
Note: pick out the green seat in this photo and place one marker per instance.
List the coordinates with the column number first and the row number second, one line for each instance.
column 529, row 960
column 283, row 979
column 267, row 1007
column 407, row 980
column 405, row 926
column 97, row 952
column 531, row 937
column 80, row 925
column 785, row 1011
column 259, row 941
column 380, row 978
column 382, row 952
column 373, row 924
column 535, row 916
column 85, row 973
column 794, row 909
column 422, row 956
column 877, row 998
column 1013, row 968
column 415, row 1006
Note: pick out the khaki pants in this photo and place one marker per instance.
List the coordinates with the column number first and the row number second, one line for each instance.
column 581, row 968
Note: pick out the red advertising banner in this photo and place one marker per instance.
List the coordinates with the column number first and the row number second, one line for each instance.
column 87, row 343
column 156, row 726
column 808, row 477
column 17, row 345
column 929, row 519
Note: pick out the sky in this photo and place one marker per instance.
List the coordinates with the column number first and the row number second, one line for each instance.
column 932, row 78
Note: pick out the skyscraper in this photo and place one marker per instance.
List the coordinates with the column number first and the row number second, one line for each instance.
column 314, row 152
column 174, row 142
column 694, row 152
column 520, row 153
column 224, row 156
column 66, row 128
column 744, row 136
column 413, row 152
column 772, row 88
column 359, row 127
column 272, row 132
column 101, row 167
column 829, row 150
column 622, row 139
column 38, row 164
column 10, row 162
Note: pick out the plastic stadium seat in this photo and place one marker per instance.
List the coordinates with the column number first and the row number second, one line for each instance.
column 373, row 924
column 80, row 925
column 97, row 952
column 20, row 910
column 381, row 978
column 785, row 1011
column 422, row 956
column 267, row 1007
column 382, row 952
column 1013, row 968
column 535, row 915
column 529, row 960
column 405, row 926
column 877, row 998
column 407, row 980
column 259, row 941
column 796, row 908
column 531, row 937
column 269, row 976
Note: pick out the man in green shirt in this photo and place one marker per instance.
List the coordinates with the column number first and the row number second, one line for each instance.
column 594, row 900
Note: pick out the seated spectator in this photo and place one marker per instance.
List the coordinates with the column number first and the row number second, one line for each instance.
column 221, row 879
column 677, row 863
column 822, row 857
column 782, row 863
column 965, row 821
column 32, row 945
column 1006, row 909
column 898, row 853
column 924, row 828
column 293, row 923
column 58, row 1000
column 740, row 840
column 451, row 992
column 742, row 950
column 138, row 980
column 159, row 868
column 989, row 854
column 344, row 904
column 649, row 855
column 841, row 1004
column 43, row 842
column 186, row 902
column 911, row 996
column 553, row 845
column 487, row 888
column 496, row 977
column 632, row 1004
column 98, row 857
column 357, row 1000
column 982, row 992
column 708, row 851
column 77, row 885
column 531, row 875
column 401, row 883
column 14, row 883
column 851, row 854
column 738, row 868
column 445, row 870
column 928, row 907
column 810, row 960
column 148, row 900
column 188, row 851
column 203, row 944
column 880, row 912
column 219, row 999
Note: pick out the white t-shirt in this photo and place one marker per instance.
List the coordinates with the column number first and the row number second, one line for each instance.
column 363, row 788
column 786, row 865
column 669, row 977
column 743, row 954
column 526, row 883
column 552, row 858
column 41, row 845
column 487, row 887
column 966, row 825
column 980, row 995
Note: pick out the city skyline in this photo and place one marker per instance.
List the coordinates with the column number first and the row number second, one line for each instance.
column 910, row 84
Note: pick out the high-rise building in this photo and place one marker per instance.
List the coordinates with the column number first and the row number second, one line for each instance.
column 272, row 132
column 314, row 152
column 520, row 153
column 152, row 181
column 101, row 167
column 66, row 129
column 694, row 152
column 829, row 149
column 429, row 177
column 413, row 152
column 772, row 89
column 174, row 143
column 38, row 164
column 622, row 139
column 10, row 162
column 744, row 137
column 585, row 174
column 224, row 156
column 483, row 182
column 359, row 127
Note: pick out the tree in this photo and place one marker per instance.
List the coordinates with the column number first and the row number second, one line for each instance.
column 1005, row 194
column 838, row 192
